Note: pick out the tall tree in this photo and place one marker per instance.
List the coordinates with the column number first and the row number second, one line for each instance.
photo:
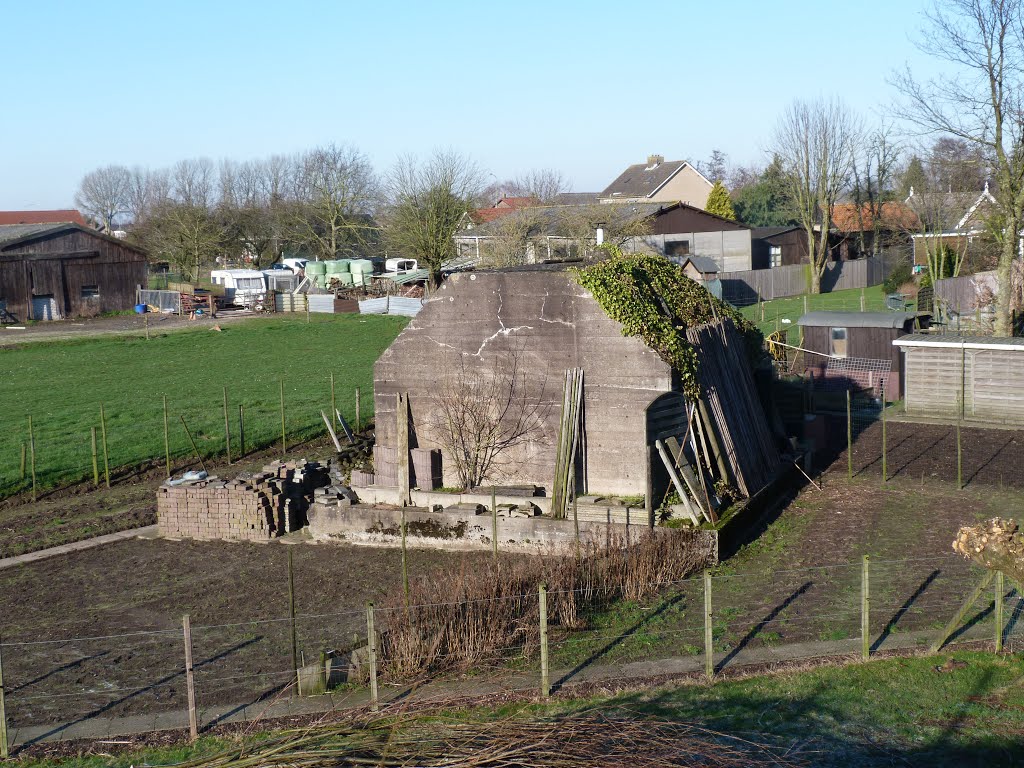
column 719, row 203
column 875, row 159
column 426, row 202
column 104, row 194
column 764, row 202
column 980, row 101
column 815, row 142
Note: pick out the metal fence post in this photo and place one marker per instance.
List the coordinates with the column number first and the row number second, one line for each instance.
column 849, row 438
column 291, row 618
column 103, row 435
column 885, row 466
column 865, row 609
column 545, row 680
column 190, row 682
column 709, row 647
column 371, row 647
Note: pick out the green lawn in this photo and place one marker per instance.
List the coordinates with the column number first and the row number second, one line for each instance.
column 776, row 312
column 62, row 385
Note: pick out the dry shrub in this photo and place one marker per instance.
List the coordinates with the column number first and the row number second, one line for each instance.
column 490, row 613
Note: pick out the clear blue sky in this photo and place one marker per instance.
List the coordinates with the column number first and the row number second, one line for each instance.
column 584, row 87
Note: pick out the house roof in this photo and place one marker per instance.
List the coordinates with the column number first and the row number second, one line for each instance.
column 762, row 233
column 503, row 207
column 517, row 202
column 894, row 215
column 12, row 235
column 576, row 198
column 67, row 216
column 643, row 179
column 955, row 341
column 702, row 264
column 856, row 319
column 550, row 219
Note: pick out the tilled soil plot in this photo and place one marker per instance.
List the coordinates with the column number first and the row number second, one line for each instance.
column 126, row 601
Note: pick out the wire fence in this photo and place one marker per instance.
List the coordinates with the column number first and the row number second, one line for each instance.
column 701, row 626
column 113, row 441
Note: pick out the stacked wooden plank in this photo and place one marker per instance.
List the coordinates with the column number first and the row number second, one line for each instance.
column 730, row 407
column 569, row 428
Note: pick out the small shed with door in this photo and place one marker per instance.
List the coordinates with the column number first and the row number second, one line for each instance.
column 857, row 346
column 983, row 373
column 53, row 271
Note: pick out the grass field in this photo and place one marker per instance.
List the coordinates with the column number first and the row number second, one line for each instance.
column 61, row 385
column 963, row 709
column 776, row 312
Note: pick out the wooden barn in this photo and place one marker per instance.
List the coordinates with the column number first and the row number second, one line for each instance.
column 856, row 347
column 985, row 374
column 54, row 271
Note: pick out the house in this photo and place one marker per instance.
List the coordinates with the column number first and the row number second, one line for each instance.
column 53, row 271
column 856, row 348
column 952, row 219
column 858, row 226
column 67, row 216
column 675, row 230
column 658, row 181
column 976, row 376
column 524, row 328
column 503, row 207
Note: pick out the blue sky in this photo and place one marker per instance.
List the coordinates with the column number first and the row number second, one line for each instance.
column 583, row 87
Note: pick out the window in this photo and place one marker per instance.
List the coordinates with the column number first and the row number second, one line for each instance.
column 775, row 252
column 837, row 345
column 90, row 291
column 677, row 248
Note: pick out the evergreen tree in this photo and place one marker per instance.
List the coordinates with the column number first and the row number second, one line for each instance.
column 719, row 202
column 765, row 203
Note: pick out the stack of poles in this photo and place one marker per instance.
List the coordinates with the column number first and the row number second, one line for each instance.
column 568, row 442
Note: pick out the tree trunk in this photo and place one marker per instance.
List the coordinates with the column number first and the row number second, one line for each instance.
column 1004, row 280
column 812, row 260
column 997, row 545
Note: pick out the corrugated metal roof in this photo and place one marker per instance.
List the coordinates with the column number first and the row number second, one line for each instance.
column 955, row 341
column 857, row 319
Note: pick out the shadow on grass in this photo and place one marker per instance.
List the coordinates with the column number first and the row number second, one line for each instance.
column 902, row 610
column 757, row 628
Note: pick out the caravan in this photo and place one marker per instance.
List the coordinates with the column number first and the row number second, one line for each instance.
column 242, row 287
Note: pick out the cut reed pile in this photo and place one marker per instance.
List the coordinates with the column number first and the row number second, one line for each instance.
column 490, row 614
column 613, row 739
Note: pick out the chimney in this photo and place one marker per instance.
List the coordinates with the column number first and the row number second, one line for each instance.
column 653, row 160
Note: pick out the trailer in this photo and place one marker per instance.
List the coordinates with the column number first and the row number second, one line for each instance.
column 242, row 287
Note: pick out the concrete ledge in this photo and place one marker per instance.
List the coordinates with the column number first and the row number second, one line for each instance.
column 462, row 530
column 380, row 494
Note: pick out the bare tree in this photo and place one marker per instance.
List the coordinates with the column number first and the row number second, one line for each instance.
column 875, row 162
column 188, row 236
column 193, row 182
column 426, row 202
column 104, row 194
column 621, row 225
column 980, row 101
column 147, row 190
column 515, row 238
column 543, row 184
column 483, row 411
column 815, row 143
column 335, row 191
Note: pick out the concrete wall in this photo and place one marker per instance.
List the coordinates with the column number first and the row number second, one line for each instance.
column 551, row 324
column 730, row 250
column 467, row 531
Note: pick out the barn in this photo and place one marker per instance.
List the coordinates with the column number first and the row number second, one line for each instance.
column 54, row 271
column 983, row 373
column 856, row 347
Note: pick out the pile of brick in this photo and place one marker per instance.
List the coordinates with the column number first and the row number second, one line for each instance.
column 252, row 507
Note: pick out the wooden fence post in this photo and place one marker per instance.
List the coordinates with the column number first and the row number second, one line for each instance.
column 32, row 455
column 194, row 447
column 402, row 430
column 709, row 647
column 494, row 523
column 405, row 565
column 284, row 441
column 167, row 440
column 5, row 751
column 849, row 438
column 190, row 681
column 241, row 430
column 545, row 679
column 103, row 435
column 334, row 403
column 227, row 427
column 359, row 423
column 95, row 458
column 863, row 299
column 24, row 453
column 291, row 618
column 1000, row 592
column 885, row 466
column 865, row 609
column 371, row 647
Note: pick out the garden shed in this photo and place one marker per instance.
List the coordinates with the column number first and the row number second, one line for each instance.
column 510, row 336
column 985, row 374
column 53, row 271
column 856, row 347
